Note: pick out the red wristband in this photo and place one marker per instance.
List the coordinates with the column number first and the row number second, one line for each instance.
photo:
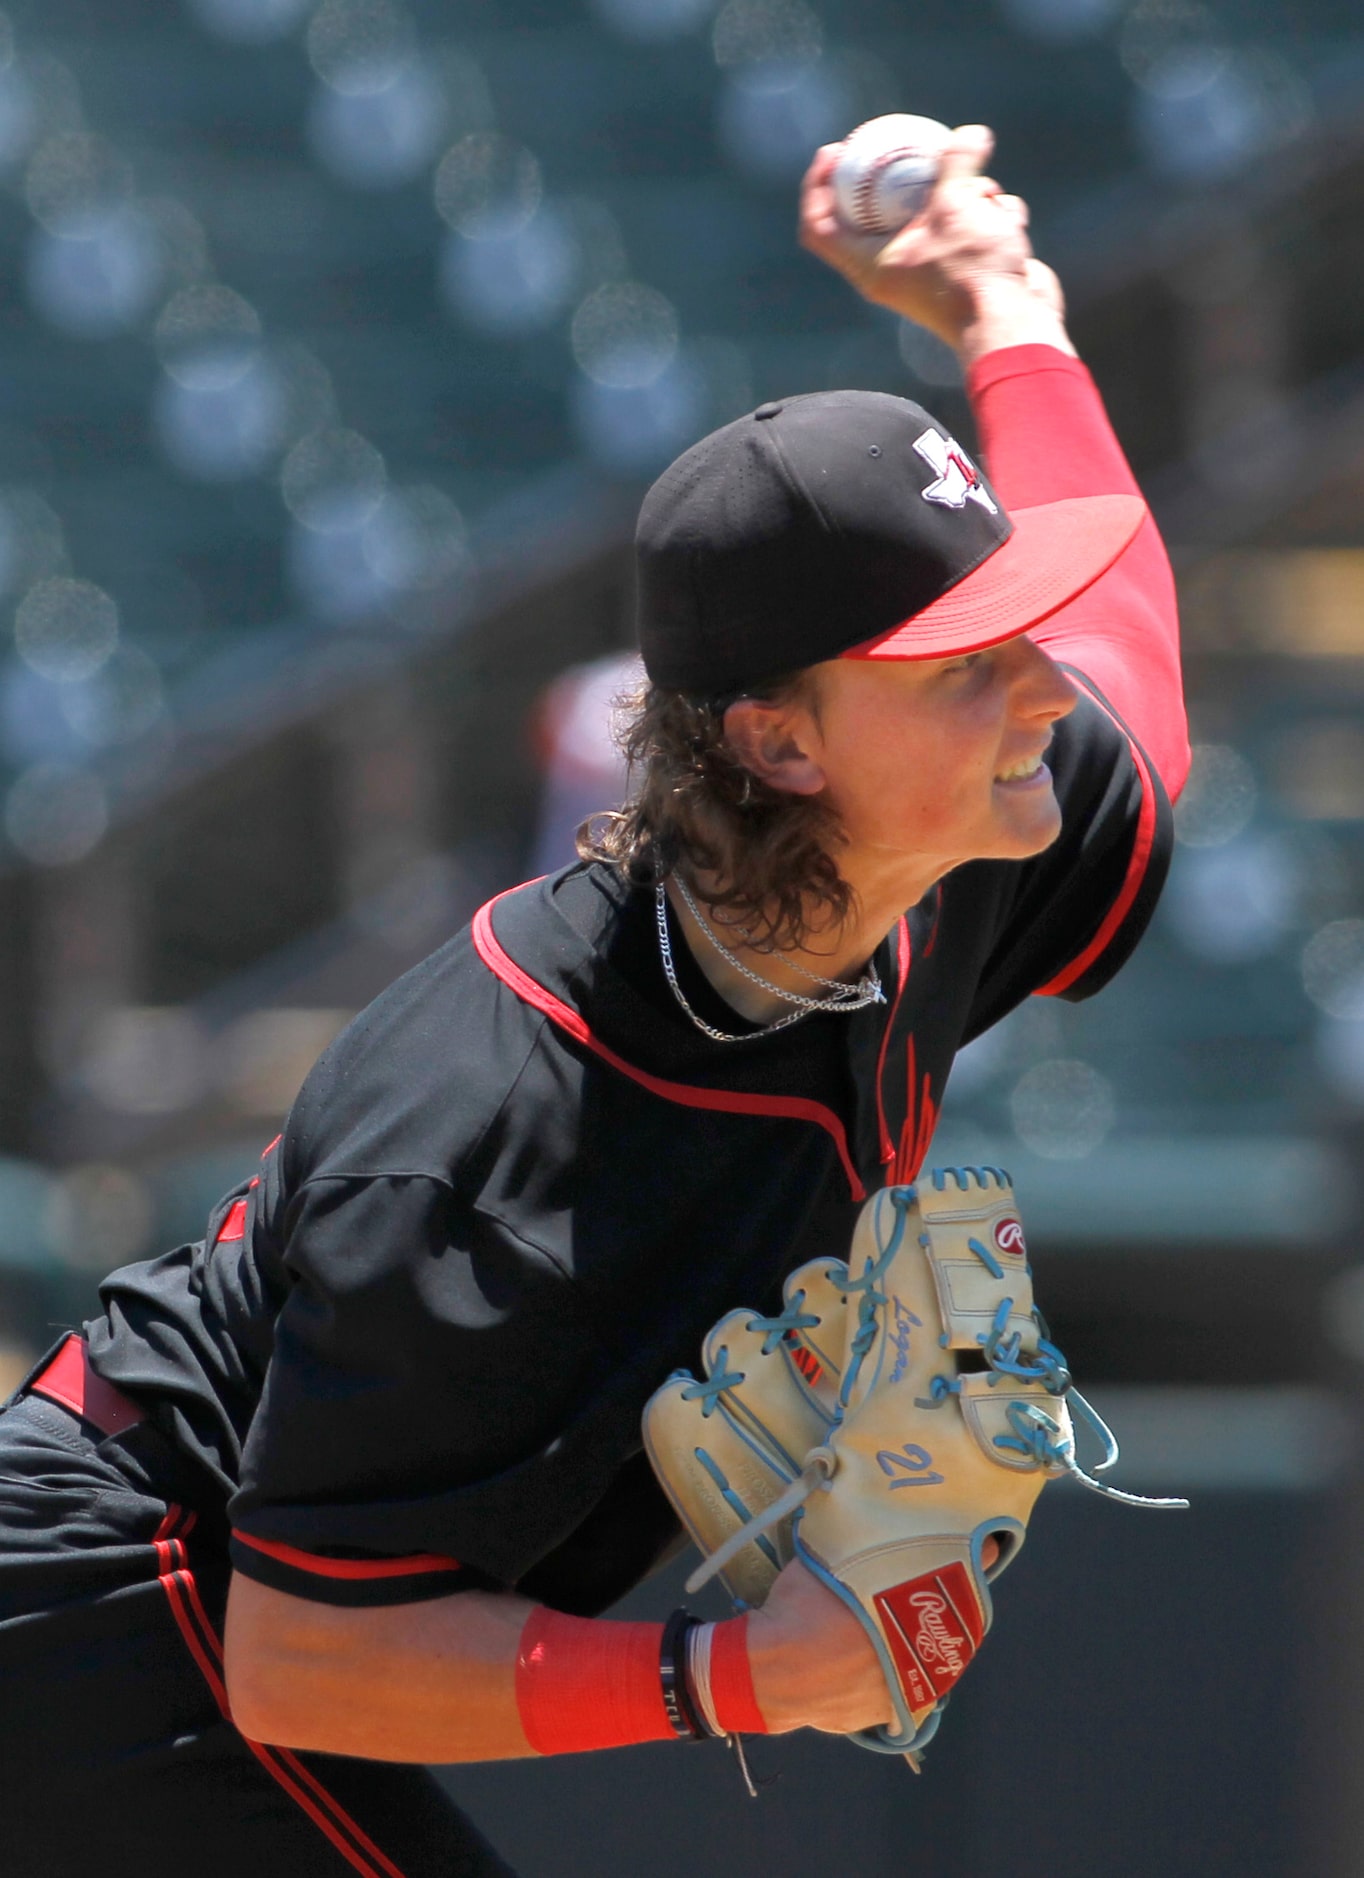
column 583, row 1684
column 731, row 1680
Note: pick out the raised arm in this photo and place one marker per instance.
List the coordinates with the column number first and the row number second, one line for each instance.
column 966, row 271
column 1045, row 435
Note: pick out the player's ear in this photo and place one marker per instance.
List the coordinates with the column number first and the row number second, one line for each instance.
column 775, row 744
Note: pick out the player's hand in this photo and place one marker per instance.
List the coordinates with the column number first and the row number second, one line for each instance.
column 813, row 1663
column 964, row 269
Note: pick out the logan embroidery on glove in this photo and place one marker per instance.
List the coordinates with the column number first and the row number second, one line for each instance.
column 904, row 1321
column 934, row 1627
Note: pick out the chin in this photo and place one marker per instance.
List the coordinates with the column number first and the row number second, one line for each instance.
column 1020, row 839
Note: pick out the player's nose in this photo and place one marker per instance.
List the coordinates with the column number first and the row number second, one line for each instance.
column 1040, row 689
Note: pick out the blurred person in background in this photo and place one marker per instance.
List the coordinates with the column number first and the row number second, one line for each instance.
column 383, row 1423
column 574, row 731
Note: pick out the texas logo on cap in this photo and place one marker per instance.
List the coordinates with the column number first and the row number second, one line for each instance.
column 959, row 480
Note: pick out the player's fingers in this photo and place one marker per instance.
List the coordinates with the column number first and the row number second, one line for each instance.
column 1014, row 207
column 968, row 152
column 821, row 165
column 817, row 223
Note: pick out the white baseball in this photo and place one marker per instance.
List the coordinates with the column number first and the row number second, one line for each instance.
column 886, row 170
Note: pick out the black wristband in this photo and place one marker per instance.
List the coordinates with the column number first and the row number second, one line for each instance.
column 672, row 1670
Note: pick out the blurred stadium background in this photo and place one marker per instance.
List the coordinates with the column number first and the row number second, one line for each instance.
column 340, row 341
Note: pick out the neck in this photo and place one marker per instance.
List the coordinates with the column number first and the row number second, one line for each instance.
column 841, row 954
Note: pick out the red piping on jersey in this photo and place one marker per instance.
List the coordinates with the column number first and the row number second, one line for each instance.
column 234, row 1225
column 903, row 950
column 321, row 1567
column 1142, row 847
column 283, row 1766
column 791, row 1108
column 921, row 1120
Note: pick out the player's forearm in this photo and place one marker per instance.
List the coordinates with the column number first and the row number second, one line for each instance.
column 431, row 1681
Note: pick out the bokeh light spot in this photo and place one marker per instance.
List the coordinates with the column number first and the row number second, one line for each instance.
column 637, row 429
column 99, row 283
column 1219, row 798
column 754, row 39
column 223, row 432
column 1155, row 31
column 514, row 283
column 1060, row 20
column 74, row 181
column 65, row 629
column 32, row 542
column 1233, row 902
column 358, row 46
column 1063, row 1109
column 1204, row 112
column 1333, row 968
column 123, row 700
column 38, row 98
column 416, row 540
column 56, row 814
column 487, row 186
column 250, row 22
column 206, row 336
column 333, row 480
column 379, row 139
column 625, row 335
column 769, row 129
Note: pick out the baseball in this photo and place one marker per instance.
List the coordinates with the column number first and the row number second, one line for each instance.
column 885, row 171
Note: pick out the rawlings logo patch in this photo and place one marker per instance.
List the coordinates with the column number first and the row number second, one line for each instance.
column 1009, row 1236
column 934, row 1627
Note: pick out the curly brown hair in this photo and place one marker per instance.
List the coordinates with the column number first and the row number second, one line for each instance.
column 770, row 853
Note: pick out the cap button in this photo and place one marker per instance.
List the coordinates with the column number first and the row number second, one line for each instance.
column 767, row 410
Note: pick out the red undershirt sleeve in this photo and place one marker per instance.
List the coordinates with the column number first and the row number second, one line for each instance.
column 1044, row 436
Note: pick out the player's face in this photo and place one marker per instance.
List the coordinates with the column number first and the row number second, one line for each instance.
column 940, row 761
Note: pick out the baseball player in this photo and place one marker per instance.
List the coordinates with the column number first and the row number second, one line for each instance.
column 343, row 1489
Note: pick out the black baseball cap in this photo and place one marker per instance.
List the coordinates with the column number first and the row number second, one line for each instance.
column 848, row 524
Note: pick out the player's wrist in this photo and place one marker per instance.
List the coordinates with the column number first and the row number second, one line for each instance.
column 1002, row 311
column 720, row 1675
column 582, row 1683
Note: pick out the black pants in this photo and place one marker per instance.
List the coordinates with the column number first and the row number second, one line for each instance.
column 116, row 1754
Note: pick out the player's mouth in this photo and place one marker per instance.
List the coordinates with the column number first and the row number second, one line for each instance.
column 1029, row 771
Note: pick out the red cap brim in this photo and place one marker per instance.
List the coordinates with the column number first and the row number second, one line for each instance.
column 1053, row 554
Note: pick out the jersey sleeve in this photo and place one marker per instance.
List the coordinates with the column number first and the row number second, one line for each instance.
column 1045, row 436
column 427, row 1365
column 1066, row 921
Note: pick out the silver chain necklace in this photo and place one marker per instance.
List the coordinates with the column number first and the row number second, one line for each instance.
column 846, row 997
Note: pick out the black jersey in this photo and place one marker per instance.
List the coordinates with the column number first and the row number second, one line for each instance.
column 516, row 1191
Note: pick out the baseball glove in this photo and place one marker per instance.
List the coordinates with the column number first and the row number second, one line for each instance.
column 900, row 1410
